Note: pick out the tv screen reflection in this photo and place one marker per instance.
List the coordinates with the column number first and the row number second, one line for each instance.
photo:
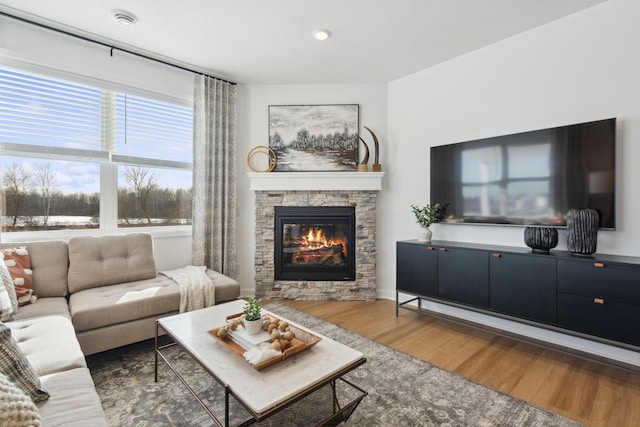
column 530, row 178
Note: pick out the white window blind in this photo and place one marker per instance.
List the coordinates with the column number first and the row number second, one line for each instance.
column 51, row 118
column 152, row 133
column 56, row 119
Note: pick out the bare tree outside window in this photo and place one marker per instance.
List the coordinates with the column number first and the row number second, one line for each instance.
column 44, row 178
column 150, row 196
column 17, row 184
column 142, row 181
column 34, row 199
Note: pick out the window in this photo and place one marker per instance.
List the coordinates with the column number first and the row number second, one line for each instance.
column 74, row 156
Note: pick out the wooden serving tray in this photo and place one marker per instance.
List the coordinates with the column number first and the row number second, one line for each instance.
column 303, row 340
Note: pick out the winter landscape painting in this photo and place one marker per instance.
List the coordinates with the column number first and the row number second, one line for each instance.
column 314, row 137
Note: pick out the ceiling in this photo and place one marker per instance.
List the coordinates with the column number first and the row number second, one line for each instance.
column 270, row 42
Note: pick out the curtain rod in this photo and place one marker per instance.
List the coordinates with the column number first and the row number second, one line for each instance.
column 112, row 47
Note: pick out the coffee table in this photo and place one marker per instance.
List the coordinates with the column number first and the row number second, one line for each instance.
column 266, row 392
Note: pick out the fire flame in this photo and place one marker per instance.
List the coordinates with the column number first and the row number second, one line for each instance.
column 317, row 239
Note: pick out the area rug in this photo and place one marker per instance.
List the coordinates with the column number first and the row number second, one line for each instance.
column 403, row 391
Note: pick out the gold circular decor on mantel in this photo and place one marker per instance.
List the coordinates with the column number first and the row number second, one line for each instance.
column 264, row 150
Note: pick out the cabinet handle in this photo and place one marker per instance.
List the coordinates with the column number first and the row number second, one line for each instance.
column 598, row 264
column 443, row 249
column 598, row 300
column 496, row 255
column 430, row 248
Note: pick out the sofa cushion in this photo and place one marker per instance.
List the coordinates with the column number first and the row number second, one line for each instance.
column 18, row 263
column 110, row 305
column 49, row 342
column 49, row 263
column 55, row 306
column 14, row 364
column 74, row 401
column 108, row 260
column 16, row 408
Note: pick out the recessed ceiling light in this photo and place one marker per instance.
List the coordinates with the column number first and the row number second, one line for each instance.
column 321, row 34
column 124, row 18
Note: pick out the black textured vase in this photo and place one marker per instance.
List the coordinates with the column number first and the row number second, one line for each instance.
column 582, row 231
column 541, row 239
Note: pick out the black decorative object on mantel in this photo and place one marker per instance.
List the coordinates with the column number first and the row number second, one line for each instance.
column 541, row 239
column 582, row 231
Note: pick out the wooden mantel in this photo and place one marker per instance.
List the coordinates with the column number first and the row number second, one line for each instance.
column 312, row 181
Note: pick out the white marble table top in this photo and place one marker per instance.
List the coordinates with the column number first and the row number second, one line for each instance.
column 259, row 390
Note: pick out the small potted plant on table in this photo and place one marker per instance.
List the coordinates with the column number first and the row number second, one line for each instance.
column 252, row 316
column 425, row 216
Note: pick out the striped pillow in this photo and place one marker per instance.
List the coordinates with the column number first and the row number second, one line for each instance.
column 6, row 308
column 15, row 365
column 7, row 281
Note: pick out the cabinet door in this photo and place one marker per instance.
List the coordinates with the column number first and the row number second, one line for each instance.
column 416, row 269
column 523, row 286
column 463, row 276
column 601, row 317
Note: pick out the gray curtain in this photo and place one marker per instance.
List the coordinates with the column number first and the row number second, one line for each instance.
column 214, row 175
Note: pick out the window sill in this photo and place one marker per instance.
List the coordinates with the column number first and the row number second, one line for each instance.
column 166, row 232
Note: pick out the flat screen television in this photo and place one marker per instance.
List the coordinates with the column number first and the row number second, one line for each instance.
column 528, row 178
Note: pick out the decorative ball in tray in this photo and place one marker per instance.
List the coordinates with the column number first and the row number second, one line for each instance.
column 278, row 340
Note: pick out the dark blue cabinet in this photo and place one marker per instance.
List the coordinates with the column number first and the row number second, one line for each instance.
column 598, row 297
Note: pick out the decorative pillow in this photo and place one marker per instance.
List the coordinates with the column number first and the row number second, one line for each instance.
column 7, row 281
column 16, row 408
column 15, row 365
column 19, row 265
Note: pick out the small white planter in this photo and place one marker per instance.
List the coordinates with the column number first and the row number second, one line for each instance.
column 424, row 234
column 253, row 327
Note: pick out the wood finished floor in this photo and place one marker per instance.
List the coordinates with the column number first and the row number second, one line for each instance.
column 588, row 392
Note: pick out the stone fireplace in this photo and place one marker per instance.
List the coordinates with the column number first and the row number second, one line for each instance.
column 308, row 193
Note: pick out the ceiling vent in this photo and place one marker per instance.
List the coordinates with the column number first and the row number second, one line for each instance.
column 125, row 19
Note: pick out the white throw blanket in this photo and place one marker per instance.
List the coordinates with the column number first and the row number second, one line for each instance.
column 196, row 288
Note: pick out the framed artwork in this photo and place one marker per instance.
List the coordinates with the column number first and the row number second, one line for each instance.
column 314, row 137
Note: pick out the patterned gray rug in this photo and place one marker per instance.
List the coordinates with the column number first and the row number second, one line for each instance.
column 403, row 391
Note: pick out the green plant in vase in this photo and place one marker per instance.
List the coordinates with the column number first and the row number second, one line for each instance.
column 252, row 315
column 425, row 216
column 252, row 309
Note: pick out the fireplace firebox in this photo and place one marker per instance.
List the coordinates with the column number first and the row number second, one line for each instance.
column 314, row 243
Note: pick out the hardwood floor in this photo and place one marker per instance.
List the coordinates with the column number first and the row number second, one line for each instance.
column 588, row 392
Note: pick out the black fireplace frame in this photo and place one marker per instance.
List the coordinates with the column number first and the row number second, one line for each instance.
column 306, row 215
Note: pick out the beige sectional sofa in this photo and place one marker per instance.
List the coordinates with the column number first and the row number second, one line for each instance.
column 94, row 294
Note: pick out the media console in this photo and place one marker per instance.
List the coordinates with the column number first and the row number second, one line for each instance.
column 594, row 297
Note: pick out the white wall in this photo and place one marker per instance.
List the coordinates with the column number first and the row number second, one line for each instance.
column 253, row 130
column 580, row 68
